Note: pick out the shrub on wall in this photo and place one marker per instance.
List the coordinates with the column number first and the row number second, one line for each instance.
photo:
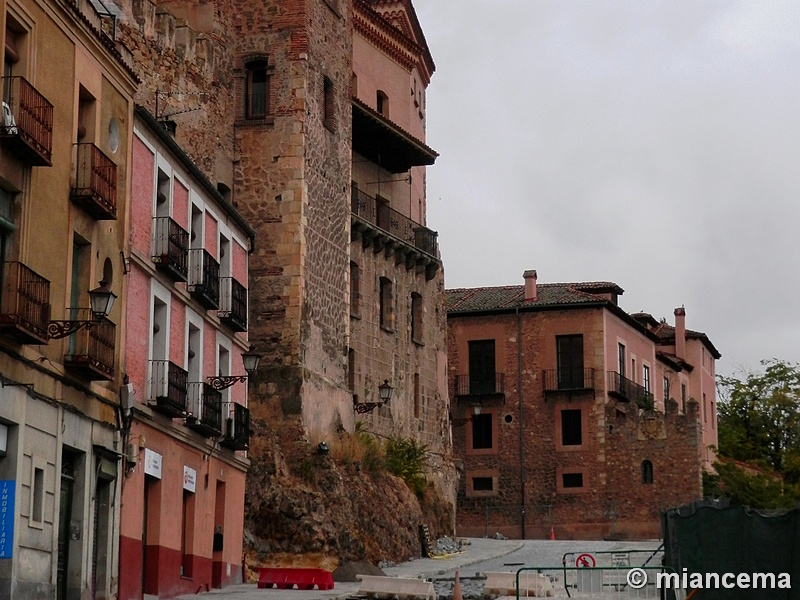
column 407, row 458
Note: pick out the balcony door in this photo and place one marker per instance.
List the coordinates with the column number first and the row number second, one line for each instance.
column 79, row 284
column 569, row 350
column 482, row 369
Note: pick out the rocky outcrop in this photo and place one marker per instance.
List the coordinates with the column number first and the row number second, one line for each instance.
column 334, row 513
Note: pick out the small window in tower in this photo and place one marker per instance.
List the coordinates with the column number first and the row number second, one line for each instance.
column 257, row 90
column 355, row 290
column 416, row 318
column 683, row 398
column 572, row 480
column 382, row 103
column 482, row 484
column 386, row 304
column 328, row 105
column 482, row 431
column 571, row 427
column 647, row 472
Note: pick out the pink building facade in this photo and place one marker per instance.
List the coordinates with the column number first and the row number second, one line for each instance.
column 590, row 419
column 187, row 434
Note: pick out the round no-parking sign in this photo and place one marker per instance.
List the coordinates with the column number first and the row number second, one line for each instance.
column 585, row 561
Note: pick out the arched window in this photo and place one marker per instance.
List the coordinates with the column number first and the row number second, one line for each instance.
column 647, row 472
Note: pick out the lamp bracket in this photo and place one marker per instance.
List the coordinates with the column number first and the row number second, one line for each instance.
column 61, row 329
column 221, row 382
column 366, row 407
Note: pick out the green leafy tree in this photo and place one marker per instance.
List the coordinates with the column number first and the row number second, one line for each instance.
column 759, row 423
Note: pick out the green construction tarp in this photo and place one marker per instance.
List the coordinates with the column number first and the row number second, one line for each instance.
column 705, row 538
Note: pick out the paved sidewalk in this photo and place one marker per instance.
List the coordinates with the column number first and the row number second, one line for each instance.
column 478, row 550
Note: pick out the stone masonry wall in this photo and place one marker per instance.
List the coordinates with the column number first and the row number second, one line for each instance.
column 184, row 64
column 393, row 355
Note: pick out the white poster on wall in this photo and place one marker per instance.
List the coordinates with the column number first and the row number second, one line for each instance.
column 152, row 463
column 189, row 478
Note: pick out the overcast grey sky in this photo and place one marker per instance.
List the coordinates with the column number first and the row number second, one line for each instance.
column 653, row 144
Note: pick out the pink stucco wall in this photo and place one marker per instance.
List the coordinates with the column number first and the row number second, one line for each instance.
column 180, row 205
column 177, row 332
column 212, row 236
column 165, row 529
column 377, row 71
column 209, row 350
column 142, row 197
column 638, row 348
column 239, row 263
column 137, row 321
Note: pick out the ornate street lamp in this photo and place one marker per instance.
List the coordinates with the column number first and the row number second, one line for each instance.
column 385, row 392
column 101, row 299
column 460, row 422
column 250, row 359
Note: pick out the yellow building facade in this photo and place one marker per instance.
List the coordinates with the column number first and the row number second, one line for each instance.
column 64, row 175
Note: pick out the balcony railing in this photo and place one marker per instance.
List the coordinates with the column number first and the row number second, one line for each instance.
column 204, row 410
column 563, row 380
column 237, row 428
column 95, row 182
column 25, row 304
column 628, row 391
column 171, row 248
column 204, row 278
column 27, row 121
column 168, row 388
column 91, row 351
column 233, row 304
column 382, row 215
column 486, row 386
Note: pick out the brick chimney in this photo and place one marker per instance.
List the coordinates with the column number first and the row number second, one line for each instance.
column 530, row 285
column 680, row 332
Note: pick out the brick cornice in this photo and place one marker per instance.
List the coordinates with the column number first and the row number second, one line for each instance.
column 379, row 31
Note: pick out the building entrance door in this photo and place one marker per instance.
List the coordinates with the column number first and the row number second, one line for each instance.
column 64, row 512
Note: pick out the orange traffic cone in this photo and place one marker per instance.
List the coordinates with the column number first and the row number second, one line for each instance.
column 552, row 533
column 457, row 589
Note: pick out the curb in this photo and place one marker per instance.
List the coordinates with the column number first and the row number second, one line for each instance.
column 475, row 561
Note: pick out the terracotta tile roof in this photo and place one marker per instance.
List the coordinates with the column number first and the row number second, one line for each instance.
column 666, row 334
column 673, row 361
column 513, row 296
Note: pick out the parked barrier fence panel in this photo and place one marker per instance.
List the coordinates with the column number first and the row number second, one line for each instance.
column 597, row 583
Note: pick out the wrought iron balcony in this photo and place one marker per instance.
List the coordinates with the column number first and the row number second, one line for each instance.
column 233, row 304
column 90, row 351
column 204, row 278
column 466, row 386
column 26, row 125
column 379, row 225
column 25, row 304
column 95, row 182
column 626, row 390
column 568, row 380
column 237, row 430
column 168, row 388
column 171, row 248
column 204, row 410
